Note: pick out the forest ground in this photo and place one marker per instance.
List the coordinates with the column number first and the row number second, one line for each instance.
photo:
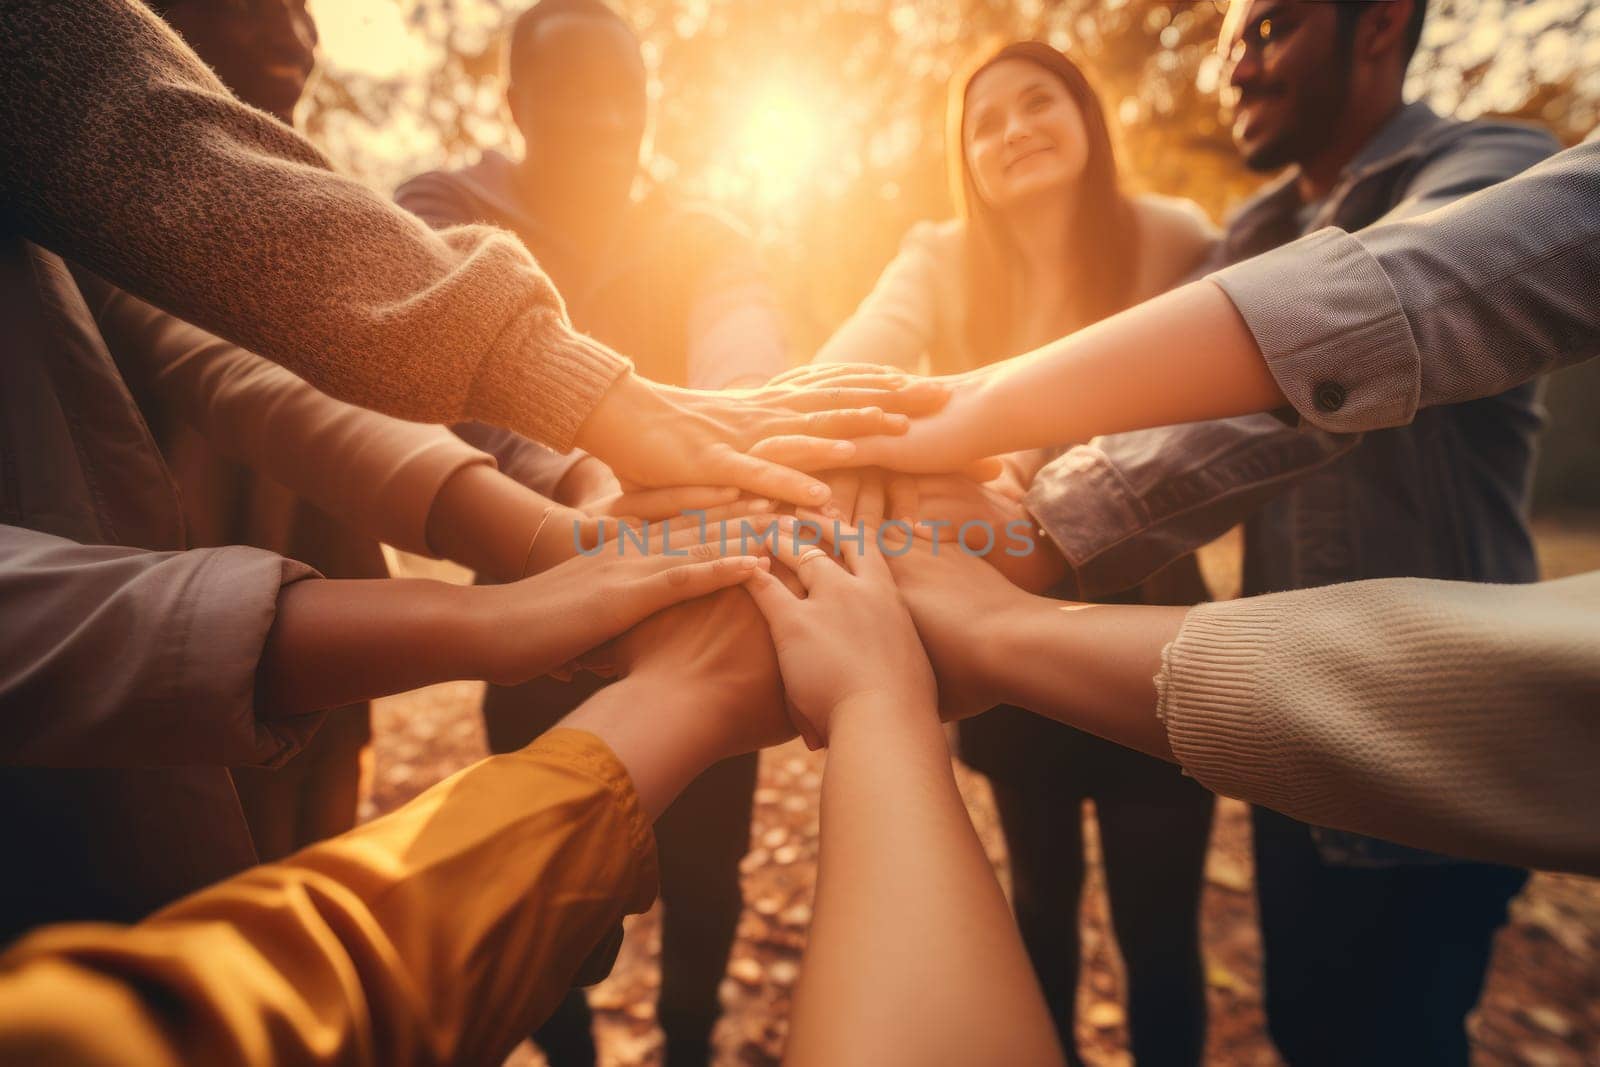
column 1541, row 1007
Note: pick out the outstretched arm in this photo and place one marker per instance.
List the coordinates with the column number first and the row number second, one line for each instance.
column 1451, row 716
column 441, row 933
column 901, row 866
column 1356, row 331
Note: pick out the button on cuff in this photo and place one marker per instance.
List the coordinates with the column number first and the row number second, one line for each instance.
column 1329, row 397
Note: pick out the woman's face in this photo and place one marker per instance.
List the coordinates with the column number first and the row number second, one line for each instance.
column 1022, row 134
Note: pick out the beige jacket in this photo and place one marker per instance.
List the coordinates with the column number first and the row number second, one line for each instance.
column 1452, row 716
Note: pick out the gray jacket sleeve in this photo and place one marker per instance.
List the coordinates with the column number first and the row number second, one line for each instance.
column 122, row 657
column 1126, row 505
column 1456, row 304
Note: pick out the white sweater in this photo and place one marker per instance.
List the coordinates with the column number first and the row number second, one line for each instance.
column 1458, row 717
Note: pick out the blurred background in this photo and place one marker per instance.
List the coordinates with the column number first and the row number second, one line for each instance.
column 819, row 124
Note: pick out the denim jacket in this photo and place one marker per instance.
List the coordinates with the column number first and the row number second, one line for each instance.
column 1442, row 497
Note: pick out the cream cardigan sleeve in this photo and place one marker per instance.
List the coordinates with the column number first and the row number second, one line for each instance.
column 1458, row 717
column 898, row 322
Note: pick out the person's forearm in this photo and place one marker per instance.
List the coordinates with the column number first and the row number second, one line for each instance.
column 486, row 521
column 901, row 865
column 337, row 642
column 659, row 728
column 1091, row 666
column 1181, row 357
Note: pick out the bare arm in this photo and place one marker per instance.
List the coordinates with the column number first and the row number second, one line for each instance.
column 901, row 867
column 1088, row 665
column 901, row 864
column 1182, row 357
column 334, row 642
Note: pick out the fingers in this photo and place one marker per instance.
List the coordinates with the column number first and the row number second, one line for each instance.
column 905, row 499
column 742, row 538
column 983, row 470
column 765, row 478
column 848, row 422
column 865, row 383
column 914, row 397
column 802, row 452
column 821, row 372
column 690, row 580
column 887, row 451
column 870, row 500
column 809, row 562
column 776, row 603
column 843, row 486
column 653, row 504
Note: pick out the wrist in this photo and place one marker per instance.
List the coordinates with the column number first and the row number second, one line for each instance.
column 1046, row 567
column 466, row 617
column 872, row 713
column 1005, row 644
column 603, row 432
column 585, row 479
column 656, row 733
column 554, row 536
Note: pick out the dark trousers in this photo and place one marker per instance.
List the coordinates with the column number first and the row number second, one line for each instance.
column 1154, row 826
column 700, row 840
column 314, row 796
column 1372, row 965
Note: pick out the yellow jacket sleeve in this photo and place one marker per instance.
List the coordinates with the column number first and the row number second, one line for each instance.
column 441, row 933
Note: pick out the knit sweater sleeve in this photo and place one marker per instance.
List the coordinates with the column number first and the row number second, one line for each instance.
column 122, row 151
column 1458, row 717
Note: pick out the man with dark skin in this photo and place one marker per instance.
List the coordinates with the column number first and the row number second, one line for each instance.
column 1373, row 953
column 679, row 288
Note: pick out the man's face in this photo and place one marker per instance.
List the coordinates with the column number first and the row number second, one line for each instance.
column 1287, row 78
column 581, row 101
column 263, row 50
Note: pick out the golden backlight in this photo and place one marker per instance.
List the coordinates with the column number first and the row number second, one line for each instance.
column 779, row 144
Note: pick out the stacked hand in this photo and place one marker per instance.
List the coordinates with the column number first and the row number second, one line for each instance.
column 534, row 626
column 848, row 642
column 960, row 434
column 761, row 441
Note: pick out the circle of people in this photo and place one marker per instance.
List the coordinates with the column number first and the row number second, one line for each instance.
column 231, row 373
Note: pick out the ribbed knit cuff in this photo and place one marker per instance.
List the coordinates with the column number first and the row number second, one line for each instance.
column 544, row 383
column 1209, row 694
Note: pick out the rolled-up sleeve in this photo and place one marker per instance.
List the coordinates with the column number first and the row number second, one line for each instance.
column 442, row 933
column 1461, row 302
column 122, row 657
